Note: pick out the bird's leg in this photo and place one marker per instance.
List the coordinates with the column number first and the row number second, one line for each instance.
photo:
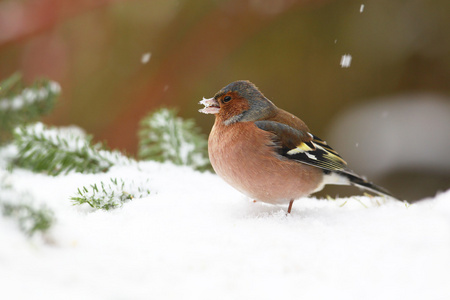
column 290, row 206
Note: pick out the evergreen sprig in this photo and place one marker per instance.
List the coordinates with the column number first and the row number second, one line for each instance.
column 164, row 136
column 30, row 218
column 109, row 195
column 59, row 150
column 20, row 105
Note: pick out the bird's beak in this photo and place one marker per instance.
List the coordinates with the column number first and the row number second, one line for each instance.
column 211, row 106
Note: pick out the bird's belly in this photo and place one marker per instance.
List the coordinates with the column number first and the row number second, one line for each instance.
column 251, row 165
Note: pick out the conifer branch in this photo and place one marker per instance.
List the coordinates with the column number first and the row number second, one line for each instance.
column 110, row 195
column 164, row 136
column 58, row 150
column 30, row 218
column 20, row 105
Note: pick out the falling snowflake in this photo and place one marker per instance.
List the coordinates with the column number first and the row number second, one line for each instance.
column 146, row 57
column 346, row 60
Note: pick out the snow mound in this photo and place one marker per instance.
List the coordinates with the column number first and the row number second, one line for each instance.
column 194, row 237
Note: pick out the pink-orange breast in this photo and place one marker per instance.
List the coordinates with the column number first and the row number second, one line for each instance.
column 243, row 155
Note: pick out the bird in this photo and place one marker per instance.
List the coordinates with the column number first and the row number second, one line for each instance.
column 269, row 154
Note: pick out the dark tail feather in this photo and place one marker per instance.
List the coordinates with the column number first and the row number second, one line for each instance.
column 364, row 184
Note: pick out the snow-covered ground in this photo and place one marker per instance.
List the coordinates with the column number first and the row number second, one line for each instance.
column 194, row 237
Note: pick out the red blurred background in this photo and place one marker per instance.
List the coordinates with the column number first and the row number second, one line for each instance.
column 291, row 49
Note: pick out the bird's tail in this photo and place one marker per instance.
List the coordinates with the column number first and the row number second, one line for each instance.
column 350, row 178
column 362, row 183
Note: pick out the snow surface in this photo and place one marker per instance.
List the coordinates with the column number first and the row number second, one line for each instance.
column 194, row 237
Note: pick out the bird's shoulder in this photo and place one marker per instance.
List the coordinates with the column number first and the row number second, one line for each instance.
column 284, row 117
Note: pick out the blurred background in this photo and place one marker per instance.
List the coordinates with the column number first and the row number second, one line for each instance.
column 387, row 111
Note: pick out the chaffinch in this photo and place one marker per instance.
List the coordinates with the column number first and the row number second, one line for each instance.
column 269, row 154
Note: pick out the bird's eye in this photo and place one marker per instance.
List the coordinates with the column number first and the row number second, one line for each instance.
column 226, row 99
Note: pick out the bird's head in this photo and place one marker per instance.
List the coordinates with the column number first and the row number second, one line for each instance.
column 240, row 101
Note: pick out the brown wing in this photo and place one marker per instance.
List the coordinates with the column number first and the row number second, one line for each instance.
column 304, row 147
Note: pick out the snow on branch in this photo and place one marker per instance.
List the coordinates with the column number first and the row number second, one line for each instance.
column 111, row 194
column 20, row 208
column 166, row 137
column 20, row 104
column 59, row 150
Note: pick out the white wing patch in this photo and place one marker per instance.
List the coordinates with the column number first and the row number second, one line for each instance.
column 302, row 148
column 310, row 156
column 317, row 153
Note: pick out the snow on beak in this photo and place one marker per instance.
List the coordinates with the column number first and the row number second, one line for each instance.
column 211, row 106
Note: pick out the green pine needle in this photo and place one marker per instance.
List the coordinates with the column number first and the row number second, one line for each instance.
column 29, row 218
column 166, row 137
column 20, row 105
column 359, row 200
column 111, row 194
column 19, row 207
column 342, row 205
column 58, row 150
column 329, row 198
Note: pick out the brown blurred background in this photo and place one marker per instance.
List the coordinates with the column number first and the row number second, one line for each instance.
column 387, row 113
